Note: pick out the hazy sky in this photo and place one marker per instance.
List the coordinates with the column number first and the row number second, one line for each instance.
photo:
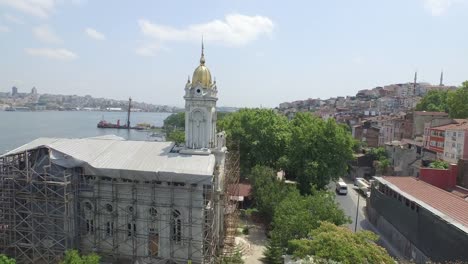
column 262, row 52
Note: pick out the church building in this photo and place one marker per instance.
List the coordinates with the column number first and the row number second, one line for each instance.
column 128, row 201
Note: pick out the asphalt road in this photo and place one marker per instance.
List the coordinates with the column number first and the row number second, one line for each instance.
column 349, row 203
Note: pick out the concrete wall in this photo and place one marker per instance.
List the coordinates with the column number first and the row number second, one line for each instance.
column 401, row 156
column 444, row 179
column 419, row 120
column 462, row 177
column 398, row 240
column 417, row 227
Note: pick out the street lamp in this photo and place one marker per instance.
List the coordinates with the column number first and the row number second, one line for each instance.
column 357, row 210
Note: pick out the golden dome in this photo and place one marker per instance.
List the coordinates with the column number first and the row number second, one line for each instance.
column 202, row 74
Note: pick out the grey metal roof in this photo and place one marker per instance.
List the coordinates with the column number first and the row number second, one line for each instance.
column 109, row 157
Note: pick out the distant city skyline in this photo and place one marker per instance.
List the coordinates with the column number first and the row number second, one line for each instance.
column 261, row 53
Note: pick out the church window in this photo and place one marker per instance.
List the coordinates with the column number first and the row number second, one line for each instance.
column 88, row 206
column 88, row 227
column 109, row 208
column 110, row 228
column 176, row 226
column 153, row 212
column 131, row 228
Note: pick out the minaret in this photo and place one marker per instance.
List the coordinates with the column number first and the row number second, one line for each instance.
column 441, row 78
column 415, row 81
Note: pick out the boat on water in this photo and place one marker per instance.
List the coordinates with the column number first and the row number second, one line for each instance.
column 104, row 124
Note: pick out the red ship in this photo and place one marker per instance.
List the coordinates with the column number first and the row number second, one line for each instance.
column 105, row 124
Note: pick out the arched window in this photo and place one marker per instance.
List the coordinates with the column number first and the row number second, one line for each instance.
column 176, row 226
column 153, row 233
column 88, row 217
column 131, row 225
column 109, row 225
column 153, row 212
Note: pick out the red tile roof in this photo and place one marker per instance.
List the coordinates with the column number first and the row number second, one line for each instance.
column 445, row 202
column 242, row 189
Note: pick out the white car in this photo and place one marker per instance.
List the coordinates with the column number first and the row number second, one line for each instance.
column 341, row 187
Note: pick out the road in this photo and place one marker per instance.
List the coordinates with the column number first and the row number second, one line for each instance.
column 348, row 203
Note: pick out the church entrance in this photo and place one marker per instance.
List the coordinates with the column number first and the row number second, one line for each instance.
column 153, row 244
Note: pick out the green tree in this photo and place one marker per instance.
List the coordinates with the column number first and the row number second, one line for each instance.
column 434, row 100
column 318, row 152
column 177, row 136
column 439, row 164
column 267, row 190
column 381, row 161
column 236, row 258
column 340, row 244
column 261, row 135
column 73, row 257
column 220, row 116
column 6, row 260
column 175, row 121
column 296, row 215
column 273, row 253
column 458, row 102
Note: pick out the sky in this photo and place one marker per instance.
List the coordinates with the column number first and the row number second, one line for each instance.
column 261, row 52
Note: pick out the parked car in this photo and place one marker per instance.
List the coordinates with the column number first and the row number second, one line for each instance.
column 363, row 186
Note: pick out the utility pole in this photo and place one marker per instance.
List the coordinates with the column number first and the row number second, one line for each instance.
column 128, row 113
column 357, row 211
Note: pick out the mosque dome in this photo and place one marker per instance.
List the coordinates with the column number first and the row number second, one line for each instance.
column 202, row 74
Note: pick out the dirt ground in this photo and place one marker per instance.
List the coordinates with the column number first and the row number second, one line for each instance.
column 254, row 243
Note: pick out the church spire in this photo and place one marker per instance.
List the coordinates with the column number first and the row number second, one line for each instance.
column 202, row 59
column 441, row 78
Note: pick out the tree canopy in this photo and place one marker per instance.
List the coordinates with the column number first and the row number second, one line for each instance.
column 175, row 121
column 439, row 164
column 434, row 100
column 261, row 135
column 455, row 103
column 458, row 102
column 74, row 257
column 268, row 190
column 296, row 215
column 319, row 151
column 6, row 260
column 177, row 136
column 380, row 157
column 332, row 242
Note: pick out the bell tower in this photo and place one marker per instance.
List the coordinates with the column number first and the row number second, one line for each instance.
column 200, row 108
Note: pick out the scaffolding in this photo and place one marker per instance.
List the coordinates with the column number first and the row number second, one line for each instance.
column 46, row 209
column 36, row 206
column 231, row 216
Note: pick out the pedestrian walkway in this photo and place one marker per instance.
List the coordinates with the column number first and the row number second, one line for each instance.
column 254, row 243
